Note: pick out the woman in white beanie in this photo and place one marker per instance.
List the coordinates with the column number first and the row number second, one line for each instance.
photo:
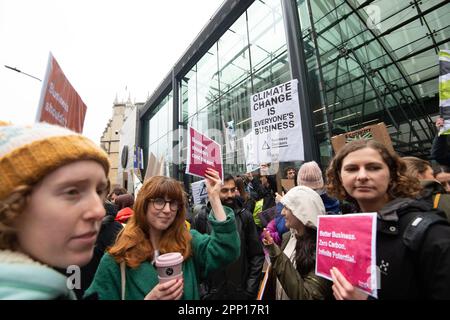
column 294, row 263
column 53, row 183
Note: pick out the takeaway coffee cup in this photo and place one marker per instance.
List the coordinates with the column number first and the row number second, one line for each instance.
column 169, row 266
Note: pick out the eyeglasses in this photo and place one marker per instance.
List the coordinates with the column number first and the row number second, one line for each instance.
column 226, row 190
column 291, row 172
column 159, row 204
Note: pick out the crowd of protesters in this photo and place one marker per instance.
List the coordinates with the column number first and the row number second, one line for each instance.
column 57, row 211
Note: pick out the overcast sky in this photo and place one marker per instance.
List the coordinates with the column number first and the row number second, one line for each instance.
column 102, row 46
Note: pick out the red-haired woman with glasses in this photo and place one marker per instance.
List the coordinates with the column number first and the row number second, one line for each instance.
column 158, row 227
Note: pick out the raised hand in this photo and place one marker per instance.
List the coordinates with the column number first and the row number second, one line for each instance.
column 267, row 238
column 213, row 186
column 439, row 123
column 213, row 183
column 278, row 197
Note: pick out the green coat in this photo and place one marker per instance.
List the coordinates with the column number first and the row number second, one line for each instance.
column 209, row 252
column 311, row 287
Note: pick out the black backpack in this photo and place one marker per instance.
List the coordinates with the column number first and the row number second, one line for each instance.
column 418, row 225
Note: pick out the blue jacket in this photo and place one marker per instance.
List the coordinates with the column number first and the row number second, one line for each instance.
column 331, row 204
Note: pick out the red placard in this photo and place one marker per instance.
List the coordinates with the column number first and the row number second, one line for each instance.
column 348, row 242
column 60, row 104
column 203, row 153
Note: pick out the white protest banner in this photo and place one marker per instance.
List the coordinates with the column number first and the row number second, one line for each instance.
column 230, row 136
column 249, row 152
column 199, row 192
column 348, row 242
column 276, row 124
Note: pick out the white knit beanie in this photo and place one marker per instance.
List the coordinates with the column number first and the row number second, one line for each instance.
column 305, row 204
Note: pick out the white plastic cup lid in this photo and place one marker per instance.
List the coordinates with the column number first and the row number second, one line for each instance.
column 169, row 259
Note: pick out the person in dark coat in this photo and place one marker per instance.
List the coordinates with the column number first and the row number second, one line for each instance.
column 413, row 239
column 242, row 196
column 240, row 279
column 107, row 236
column 432, row 190
column 124, row 204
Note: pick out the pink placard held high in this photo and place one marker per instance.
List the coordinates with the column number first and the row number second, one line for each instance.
column 203, row 153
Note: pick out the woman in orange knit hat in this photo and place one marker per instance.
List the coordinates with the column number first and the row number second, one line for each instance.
column 53, row 183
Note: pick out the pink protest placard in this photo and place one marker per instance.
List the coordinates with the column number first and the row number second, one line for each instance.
column 203, row 153
column 348, row 242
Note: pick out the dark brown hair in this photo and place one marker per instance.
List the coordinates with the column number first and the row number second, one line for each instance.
column 240, row 185
column 124, row 201
column 400, row 185
column 305, row 251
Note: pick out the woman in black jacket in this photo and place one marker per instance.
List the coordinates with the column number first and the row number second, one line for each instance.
column 413, row 240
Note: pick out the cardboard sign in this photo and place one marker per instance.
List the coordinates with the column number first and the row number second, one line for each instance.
column 155, row 167
column 276, row 124
column 377, row 132
column 203, row 153
column 267, row 269
column 60, row 104
column 348, row 242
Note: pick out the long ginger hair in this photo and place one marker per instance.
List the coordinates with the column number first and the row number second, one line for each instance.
column 133, row 243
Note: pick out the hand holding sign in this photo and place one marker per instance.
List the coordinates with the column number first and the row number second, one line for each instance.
column 213, row 183
column 267, row 240
column 343, row 290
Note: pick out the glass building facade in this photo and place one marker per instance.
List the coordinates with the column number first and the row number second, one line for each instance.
column 358, row 63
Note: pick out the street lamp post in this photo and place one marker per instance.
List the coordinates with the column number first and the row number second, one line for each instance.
column 17, row 70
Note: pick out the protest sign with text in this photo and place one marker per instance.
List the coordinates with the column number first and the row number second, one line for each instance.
column 199, row 192
column 60, row 104
column 203, row 153
column 348, row 242
column 276, row 124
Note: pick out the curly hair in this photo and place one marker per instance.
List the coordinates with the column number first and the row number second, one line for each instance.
column 10, row 210
column 133, row 243
column 400, row 185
